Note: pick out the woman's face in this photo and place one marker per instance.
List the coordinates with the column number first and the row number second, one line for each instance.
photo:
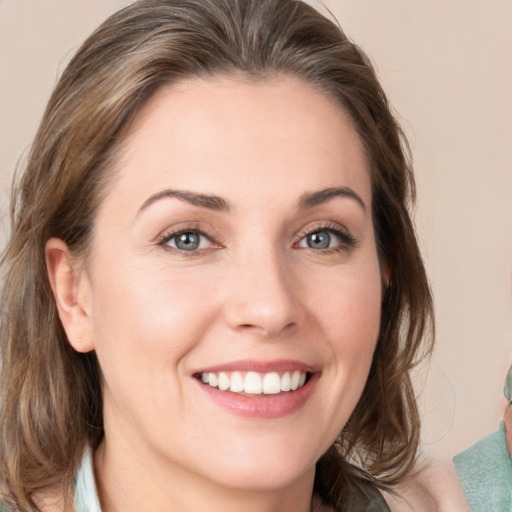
column 233, row 290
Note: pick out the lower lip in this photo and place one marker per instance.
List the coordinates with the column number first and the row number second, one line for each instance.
column 262, row 406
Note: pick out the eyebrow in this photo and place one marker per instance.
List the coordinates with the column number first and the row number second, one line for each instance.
column 216, row 203
column 209, row 202
column 311, row 199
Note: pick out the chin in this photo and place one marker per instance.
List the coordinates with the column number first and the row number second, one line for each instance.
column 264, row 470
column 264, row 479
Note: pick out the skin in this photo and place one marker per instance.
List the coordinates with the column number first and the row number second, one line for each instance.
column 253, row 290
column 434, row 486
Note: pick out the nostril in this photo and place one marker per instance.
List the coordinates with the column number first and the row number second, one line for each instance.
column 268, row 329
column 263, row 307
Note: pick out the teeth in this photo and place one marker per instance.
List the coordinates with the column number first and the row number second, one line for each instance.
column 237, row 382
column 224, row 382
column 272, row 384
column 213, row 380
column 294, row 381
column 254, row 383
column 286, row 382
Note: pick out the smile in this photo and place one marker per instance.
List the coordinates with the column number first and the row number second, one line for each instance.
column 255, row 383
column 259, row 389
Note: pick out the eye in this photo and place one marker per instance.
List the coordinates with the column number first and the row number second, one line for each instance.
column 325, row 239
column 318, row 240
column 191, row 240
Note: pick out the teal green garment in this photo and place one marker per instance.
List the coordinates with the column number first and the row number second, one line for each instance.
column 485, row 471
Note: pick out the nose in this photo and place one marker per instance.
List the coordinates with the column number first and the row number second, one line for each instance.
column 262, row 296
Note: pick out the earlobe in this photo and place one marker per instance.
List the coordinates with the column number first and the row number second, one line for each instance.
column 386, row 270
column 71, row 291
column 385, row 276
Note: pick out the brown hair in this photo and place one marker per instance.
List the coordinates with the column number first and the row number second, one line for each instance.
column 51, row 395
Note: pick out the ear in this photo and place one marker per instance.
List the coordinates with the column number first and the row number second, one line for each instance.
column 385, row 272
column 387, row 262
column 72, row 292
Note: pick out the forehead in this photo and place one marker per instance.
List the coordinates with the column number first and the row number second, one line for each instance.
column 229, row 135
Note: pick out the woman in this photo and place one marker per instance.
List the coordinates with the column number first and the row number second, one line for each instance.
column 213, row 292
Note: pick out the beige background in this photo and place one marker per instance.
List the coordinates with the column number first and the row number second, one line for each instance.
column 447, row 68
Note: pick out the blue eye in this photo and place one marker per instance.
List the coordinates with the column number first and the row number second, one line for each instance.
column 187, row 241
column 325, row 239
column 318, row 240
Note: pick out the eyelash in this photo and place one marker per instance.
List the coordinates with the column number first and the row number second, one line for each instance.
column 176, row 232
column 347, row 240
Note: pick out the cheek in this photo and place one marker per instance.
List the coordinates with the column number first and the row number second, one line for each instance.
column 349, row 308
column 349, row 315
column 149, row 320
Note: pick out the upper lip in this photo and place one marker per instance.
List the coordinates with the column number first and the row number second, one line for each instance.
column 249, row 365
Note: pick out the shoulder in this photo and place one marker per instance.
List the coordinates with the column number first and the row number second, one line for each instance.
column 367, row 498
column 3, row 505
column 485, row 470
column 434, row 486
column 47, row 502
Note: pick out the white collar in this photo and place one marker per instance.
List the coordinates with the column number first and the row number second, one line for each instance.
column 86, row 494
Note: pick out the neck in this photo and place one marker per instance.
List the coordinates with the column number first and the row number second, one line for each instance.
column 131, row 480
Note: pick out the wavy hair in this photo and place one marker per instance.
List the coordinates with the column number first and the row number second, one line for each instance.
column 51, row 395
